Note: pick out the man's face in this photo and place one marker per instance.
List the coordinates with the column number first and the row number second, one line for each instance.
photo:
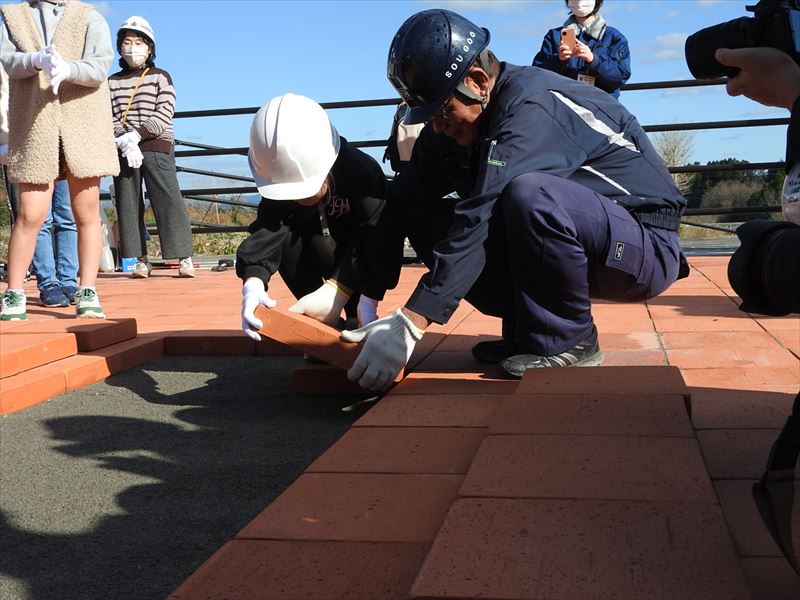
column 458, row 117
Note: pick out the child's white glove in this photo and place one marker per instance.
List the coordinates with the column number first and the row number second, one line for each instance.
column 57, row 70
column 253, row 294
column 41, row 59
column 367, row 310
column 325, row 304
column 388, row 344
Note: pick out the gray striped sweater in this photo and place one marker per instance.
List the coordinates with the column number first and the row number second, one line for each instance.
column 151, row 110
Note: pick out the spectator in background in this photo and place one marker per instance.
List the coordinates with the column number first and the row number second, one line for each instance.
column 602, row 57
column 143, row 102
column 57, row 55
column 55, row 259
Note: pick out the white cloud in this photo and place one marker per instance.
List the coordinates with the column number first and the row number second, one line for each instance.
column 104, row 8
column 708, row 3
column 462, row 6
column 664, row 47
column 672, row 15
column 766, row 110
column 694, row 91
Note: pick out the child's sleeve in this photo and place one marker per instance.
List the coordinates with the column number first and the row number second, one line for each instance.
column 98, row 54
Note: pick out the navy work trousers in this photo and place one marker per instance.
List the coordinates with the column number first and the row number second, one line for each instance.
column 553, row 245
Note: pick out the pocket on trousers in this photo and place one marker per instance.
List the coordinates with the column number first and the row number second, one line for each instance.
column 165, row 162
column 626, row 243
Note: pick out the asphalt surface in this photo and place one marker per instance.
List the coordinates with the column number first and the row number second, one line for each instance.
column 123, row 488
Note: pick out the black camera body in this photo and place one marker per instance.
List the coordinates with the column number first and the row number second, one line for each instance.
column 775, row 24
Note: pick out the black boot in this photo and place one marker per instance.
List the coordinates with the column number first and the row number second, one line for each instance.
column 585, row 354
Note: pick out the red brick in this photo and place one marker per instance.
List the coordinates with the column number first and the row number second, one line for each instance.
column 283, row 570
column 631, row 358
column 770, row 578
column 557, row 549
column 325, row 380
column 460, row 361
column 589, row 467
column 593, row 413
column 270, row 347
column 96, row 335
column 361, row 507
column 737, row 453
column 706, row 323
column 401, row 450
column 85, row 369
column 206, row 342
column 732, row 356
column 24, row 351
column 441, row 410
column 612, row 380
column 308, row 335
column 31, row 387
column 749, row 534
column 755, row 378
column 742, row 409
column 434, row 384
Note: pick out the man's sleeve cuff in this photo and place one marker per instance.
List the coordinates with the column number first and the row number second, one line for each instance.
column 433, row 307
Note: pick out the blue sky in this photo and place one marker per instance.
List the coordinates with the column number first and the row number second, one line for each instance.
column 241, row 53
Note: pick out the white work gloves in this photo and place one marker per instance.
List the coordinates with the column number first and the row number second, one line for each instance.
column 325, row 304
column 128, row 145
column 3, row 154
column 388, row 344
column 367, row 310
column 53, row 64
column 253, row 294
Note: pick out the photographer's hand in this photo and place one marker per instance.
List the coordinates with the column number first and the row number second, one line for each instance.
column 767, row 75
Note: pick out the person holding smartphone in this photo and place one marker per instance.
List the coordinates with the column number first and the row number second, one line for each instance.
column 587, row 49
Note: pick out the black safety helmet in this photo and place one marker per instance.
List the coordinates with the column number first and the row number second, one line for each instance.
column 429, row 56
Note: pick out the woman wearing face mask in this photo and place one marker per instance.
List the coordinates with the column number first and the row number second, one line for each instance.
column 601, row 58
column 143, row 102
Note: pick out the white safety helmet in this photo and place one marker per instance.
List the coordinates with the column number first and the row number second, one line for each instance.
column 139, row 24
column 292, row 147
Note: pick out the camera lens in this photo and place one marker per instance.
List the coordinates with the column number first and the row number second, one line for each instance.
column 765, row 269
column 700, row 47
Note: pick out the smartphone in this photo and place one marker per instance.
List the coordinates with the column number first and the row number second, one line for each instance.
column 568, row 38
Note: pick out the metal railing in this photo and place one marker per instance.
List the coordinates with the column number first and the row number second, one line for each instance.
column 213, row 194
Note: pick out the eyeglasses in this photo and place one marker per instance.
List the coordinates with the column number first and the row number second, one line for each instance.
column 443, row 114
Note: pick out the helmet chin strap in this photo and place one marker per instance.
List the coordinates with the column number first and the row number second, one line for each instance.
column 481, row 61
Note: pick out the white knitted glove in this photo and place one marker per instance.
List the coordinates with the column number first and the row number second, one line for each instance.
column 367, row 310
column 253, row 294
column 388, row 344
column 325, row 304
column 57, row 70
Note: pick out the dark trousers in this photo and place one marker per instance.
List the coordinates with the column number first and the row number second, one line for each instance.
column 174, row 231
column 552, row 245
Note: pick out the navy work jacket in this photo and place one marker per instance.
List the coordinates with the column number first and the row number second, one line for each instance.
column 536, row 121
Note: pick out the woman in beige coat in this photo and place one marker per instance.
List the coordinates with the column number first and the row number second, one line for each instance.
column 57, row 56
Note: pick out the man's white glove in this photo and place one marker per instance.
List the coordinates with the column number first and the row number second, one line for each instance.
column 325, row 304
column 126, row 139
column 3, row 154
column 133, row 155
column 367, row 310
column 57, row 69
column 41, row 59
column 388, row 344
column 253, row 294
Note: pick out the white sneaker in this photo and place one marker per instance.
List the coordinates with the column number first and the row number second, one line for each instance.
column 87, row 305
column 186, row 267
column 142, row 269
column 12, row 306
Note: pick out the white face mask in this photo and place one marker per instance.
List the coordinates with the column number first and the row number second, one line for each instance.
column 581, row 8
column 135, row 57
